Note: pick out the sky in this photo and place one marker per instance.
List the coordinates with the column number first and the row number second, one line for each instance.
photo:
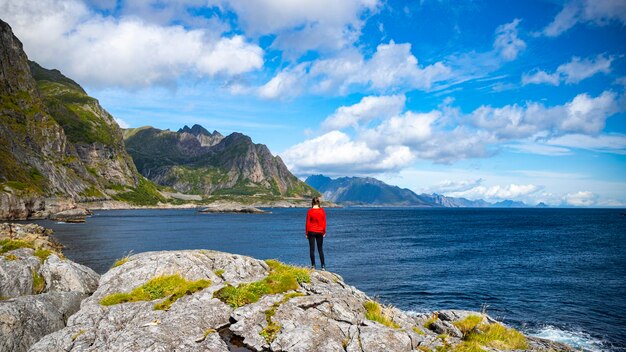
column 521, row 100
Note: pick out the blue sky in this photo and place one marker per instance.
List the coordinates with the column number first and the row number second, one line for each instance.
column 496, row 100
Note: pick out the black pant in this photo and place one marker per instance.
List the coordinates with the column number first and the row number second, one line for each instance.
column 319, row 238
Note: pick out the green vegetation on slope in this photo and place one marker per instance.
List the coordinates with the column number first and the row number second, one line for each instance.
column 374, row 312
column 478, row 335
column 282, row 278
column 171, row 286
column 145, row 193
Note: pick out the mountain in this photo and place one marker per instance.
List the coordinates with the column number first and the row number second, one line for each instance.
column 509, row 204
column 363, row 190
column 451, row 202
column 195, row 161
column 58, row 146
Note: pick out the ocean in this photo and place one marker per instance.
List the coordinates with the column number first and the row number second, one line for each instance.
column 553, row 273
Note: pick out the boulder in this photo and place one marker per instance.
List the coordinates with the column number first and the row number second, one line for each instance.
column 65, row 275
column 26, row 319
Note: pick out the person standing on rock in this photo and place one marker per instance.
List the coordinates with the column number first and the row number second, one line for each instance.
column 316, row 230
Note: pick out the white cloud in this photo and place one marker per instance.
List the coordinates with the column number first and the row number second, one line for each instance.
column 539, row 77
column 410, row 129
column 572, row 72
column 584, row 114
column 368, row 108
column 580, row 199
column 611, row 143
column 386, row 140
column 534, row 147
column 507, row 42
column 497, row 192
column 286, row 84
column 391, row 68
column 336, row 152
column 127, row 52
column 599, row 12
column 449, row 186
column 121, row 123
column 303, row 25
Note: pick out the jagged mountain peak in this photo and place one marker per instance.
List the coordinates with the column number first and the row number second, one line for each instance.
column 197, row 130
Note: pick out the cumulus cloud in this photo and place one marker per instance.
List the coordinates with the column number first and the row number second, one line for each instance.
column 126, row 52
column 385, row 139
column 303, row 24
column 507, row 43
column 285, row 84
column 598, row 12
column 367, row 109
column 584, row 114
column 580, row 199
column 572, row 72
column 391, row 68
column 335, row 152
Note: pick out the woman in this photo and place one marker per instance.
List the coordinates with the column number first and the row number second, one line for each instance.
column 316, row 230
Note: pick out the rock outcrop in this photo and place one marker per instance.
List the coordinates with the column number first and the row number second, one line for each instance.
column 39, row 288
column 231, row 306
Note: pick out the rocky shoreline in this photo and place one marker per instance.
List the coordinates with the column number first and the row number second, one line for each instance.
column 198, row 300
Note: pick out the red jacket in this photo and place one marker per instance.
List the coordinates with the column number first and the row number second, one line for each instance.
column 316, row 221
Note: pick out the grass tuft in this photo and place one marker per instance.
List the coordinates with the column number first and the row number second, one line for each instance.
column 374, row 312
column 43, row 254
column 9, row 245
column 497, row 336
column 10, row 257
column 418, row 331
column 39, row 283
column 171, row 286
column 122, row 260
column 469, row 323
column 433, row 318
column 219, row 273
column 282, row 278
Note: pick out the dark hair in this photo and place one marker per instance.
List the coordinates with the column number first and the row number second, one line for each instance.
column 316, row 201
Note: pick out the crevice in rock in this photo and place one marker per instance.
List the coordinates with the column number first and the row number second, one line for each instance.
column 312, row 305
column 234, row 342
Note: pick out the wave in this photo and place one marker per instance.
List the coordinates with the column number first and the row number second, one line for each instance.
column 575, row 338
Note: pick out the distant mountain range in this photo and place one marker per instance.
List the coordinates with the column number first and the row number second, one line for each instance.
column 370, row 191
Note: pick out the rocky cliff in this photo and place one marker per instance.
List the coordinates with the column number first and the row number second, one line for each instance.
column 194, row 161
column 58, row 146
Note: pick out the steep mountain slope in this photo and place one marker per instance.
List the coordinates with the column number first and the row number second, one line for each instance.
column 57, row 145
column 89, row 128
column 194, row 161
column 363, row 190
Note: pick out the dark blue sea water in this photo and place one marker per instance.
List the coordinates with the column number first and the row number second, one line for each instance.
column 556, row 273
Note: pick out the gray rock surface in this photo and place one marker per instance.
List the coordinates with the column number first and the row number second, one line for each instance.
column 26, row 317
column 65, row 275
column 24, row 320
column 325, row 315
